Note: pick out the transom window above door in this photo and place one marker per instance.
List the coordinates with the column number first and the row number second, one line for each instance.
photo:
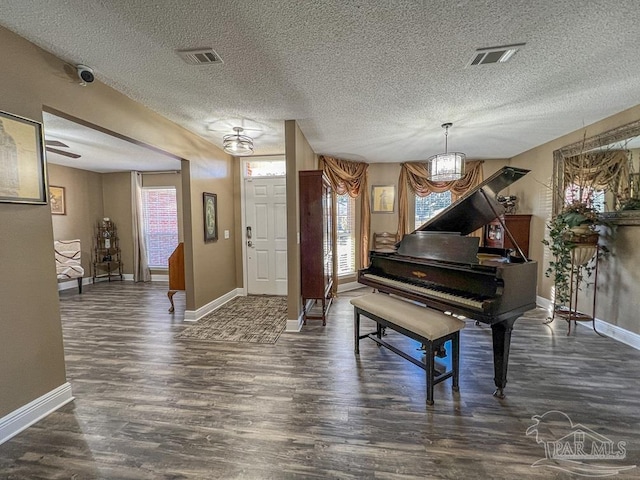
column 265, row 167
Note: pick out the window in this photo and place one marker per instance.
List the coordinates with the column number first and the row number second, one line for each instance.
column 346, row 234
column 429, row 206
column 160, row 218
column 590, row 195
column 257, row 167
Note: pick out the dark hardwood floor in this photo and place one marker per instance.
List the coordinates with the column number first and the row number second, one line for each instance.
column 150, row 406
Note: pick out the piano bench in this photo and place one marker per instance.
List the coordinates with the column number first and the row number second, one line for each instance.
column 425, row 325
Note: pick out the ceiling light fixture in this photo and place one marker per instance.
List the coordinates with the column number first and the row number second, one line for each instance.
column 447, row 166
column 236, row 144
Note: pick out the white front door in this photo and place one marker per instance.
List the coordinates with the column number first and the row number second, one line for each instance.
column 266, row 235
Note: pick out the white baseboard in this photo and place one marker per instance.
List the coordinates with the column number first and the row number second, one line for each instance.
column 25, row 416
column 544, row 302
column 195, row 315
column 605, row 328
column 615, row 332
column 73, row 283
column 295, row 325
column 345, row 287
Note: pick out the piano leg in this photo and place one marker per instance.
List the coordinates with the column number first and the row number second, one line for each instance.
column 501, row 342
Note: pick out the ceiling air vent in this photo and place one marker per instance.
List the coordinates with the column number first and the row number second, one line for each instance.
column 484, row 56
column 200, row 56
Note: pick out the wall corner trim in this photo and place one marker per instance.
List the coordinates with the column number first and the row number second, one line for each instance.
column 34, row 411
column 294, row 326
column 195, row 315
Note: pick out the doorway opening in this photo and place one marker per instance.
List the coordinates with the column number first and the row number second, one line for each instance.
column 264, row 225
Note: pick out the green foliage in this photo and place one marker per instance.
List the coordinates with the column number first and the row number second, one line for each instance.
column 577, row 214
column 560, row 267
column 562, row 241
column 631, row 204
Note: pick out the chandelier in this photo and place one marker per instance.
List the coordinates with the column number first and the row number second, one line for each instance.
column 236, row 144
column 447, row 166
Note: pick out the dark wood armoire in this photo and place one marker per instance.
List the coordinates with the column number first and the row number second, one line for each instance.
column 316, row 253
column 518, row 225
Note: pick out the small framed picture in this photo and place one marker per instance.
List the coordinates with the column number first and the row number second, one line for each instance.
column 57, row 200
column 210, row 217
column 383, row 198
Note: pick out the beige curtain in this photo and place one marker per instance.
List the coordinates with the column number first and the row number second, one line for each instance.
column 416, row 176
column 600, row 170
column 352, row 178
column 141, row 272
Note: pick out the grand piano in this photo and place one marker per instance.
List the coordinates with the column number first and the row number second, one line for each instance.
column 441, row 267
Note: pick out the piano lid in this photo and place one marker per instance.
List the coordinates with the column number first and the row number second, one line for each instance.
column 472, row 211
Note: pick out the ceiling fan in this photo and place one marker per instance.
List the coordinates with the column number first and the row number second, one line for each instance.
column 50, row 144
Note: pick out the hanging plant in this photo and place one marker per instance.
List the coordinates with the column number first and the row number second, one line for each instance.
column 577, row 224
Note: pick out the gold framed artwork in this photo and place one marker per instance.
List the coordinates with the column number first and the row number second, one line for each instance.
column 57, row 200
column 22, row 165
column 383, row 198
column 210, row 217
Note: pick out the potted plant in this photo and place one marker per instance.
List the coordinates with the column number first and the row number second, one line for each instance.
column 578, row 224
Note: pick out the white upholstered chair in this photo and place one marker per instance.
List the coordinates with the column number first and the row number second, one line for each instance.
column 68, row 264
column 384, row 242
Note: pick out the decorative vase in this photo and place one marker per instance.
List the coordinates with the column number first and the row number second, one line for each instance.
column 582, row 254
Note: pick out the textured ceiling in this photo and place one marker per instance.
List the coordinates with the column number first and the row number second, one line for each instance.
column 366, row 80
column 100, row 152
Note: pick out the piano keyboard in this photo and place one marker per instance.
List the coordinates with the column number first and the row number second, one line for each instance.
column 457, row 299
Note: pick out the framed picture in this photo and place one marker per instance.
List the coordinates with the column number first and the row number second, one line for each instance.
column 383, row 198
column 57, row 200
column 210, row 217
column 22, row 166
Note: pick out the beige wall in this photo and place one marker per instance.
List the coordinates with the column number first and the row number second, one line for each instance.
column 116, row 194
column 83, row 200
column 31, row 351
column 618, row 286
column 384, row 174
column 237, row 213
column 214, row 263
column 299, row 156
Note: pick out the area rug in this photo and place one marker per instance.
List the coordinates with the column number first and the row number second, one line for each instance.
column 252, row 319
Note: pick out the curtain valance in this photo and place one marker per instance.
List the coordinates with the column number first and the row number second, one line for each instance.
column 352, row 178
column 416, row 176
